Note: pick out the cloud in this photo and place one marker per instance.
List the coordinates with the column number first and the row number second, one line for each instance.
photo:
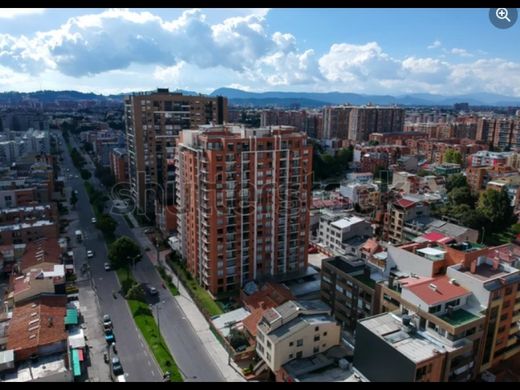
column 461, row 52
column 10, row 13
column 435, row 44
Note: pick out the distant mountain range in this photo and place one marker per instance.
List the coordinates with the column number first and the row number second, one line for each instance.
column 315, row 99
column 288, row 99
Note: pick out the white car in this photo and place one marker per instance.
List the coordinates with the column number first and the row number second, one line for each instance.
column 93, row 220
column 90, row 254
column 107, row 267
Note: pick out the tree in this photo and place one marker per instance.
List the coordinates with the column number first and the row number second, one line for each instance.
column 85, row 174
column 123, row 252
column 454, row 181
column 461, row 196
column 453, row 156
column 73, row 199
column 88, row 147
column 106, row 224
column 495, row 207
column 467, row 215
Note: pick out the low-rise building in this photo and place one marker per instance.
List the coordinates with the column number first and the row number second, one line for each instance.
column 294, row 330
column 336, row 230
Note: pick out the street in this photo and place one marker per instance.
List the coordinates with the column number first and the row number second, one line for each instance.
column 189, row 353
column 134, row 354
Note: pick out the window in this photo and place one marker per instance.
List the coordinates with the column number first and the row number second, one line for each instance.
column 317, row 338
column 269, row 345
column 317, row 329
column 434, row 309
column 291, row 356
column 299, row 343
column 299, row 355
column 324, row 334
column 316, row 349
column 291, row 344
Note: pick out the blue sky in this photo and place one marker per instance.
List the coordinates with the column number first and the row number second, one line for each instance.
column 384, row 51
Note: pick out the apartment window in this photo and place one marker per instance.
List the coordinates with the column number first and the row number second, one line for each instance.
column 269, row 345
column 299, row 355
column 291, row 344
column 316, row 349
column 317, row 338
column 324, row 334
column 317, row 329
column 434, row 309
column 291, row 356
column 299, row 343
column 268, row 356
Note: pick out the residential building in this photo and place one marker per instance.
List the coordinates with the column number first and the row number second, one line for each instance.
column 244, row 198
column 37, row 328
column 446, row 169
column 153, row 122
column 25, row 232
column 371, row 119
column 496, row 288
column 335, row 232
column 347, row 288
column 119, row 165
column 391, row 347
column 476, row 176
column 336, row 122
column 295, row 330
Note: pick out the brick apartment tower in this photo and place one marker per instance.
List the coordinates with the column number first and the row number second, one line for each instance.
column 153, row 122
column 243, row 198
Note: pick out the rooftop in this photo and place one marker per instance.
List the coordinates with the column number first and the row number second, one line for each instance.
column 38, row 322
column 404, row 203
column 346, row 265
column 20, row 226
column 41, row 251
column 389, row 328
column 45, row 366
column 467, row 246
column 346, row 222
column 434, row 291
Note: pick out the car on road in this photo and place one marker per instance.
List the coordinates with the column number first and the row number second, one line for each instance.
column 90, row 254
column 107, row 322
column 94, row 220
column 117, row 368
column 76, row 176
column 108, row 267
column 152, row 290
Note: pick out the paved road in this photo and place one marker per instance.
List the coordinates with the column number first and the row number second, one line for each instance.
column 135, row 357
column 189, row 353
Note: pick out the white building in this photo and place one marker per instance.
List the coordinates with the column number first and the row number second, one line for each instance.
column 295, row 330
column 335, row 230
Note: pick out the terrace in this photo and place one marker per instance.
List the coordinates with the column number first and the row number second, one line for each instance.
column 459, row 317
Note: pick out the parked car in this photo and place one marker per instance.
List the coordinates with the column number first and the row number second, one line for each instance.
column 90, row 254
column 94, row 220
column 108, row 267
column 109, row 336
column 117, row 368
column 107, row 322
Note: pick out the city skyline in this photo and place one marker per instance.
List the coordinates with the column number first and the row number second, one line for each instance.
column 377, row 51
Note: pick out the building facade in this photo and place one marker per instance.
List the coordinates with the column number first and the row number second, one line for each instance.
column 243, row 199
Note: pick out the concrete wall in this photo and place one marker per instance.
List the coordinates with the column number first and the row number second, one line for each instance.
column 409, row 262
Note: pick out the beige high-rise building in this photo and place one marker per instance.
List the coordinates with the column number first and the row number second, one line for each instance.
column 153, row 122
column 243, row 198
column 368, row 119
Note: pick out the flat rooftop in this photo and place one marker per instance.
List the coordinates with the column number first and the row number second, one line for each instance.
column 486, row 272
column 346, row 265
column 45, row 366
column 459, row 317
column 389, row 328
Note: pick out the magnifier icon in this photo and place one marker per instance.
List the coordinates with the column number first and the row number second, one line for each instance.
column 503, row 14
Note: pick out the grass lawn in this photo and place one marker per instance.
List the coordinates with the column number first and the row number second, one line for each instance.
column 166, row 278
column 199, row 294
column 146, row 323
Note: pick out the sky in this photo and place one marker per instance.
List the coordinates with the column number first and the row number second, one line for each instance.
column 371, row 51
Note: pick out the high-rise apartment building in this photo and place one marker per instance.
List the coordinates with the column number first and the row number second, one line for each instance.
column 153, row 122
column 243, row 198
column 336, row 122
column 367, row 119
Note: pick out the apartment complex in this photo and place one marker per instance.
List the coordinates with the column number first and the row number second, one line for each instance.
column 295, row 330
column 372, row 119
column 153, row 122
column 119, row 165
column 336, row 122
column 243, row 199
column 347, row 289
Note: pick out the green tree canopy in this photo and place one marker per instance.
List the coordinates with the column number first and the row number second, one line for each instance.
column 461, row 196
column 453, row 156
column 106, row 224
column 454, row 181
column 495, row 207
column 123, row 252
column 85, row 174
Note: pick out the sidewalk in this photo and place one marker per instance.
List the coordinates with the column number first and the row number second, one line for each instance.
column 193, row 314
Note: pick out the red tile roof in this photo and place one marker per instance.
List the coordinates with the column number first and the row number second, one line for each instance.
column 270, row 295
column 405, row 203
column 434, row 236
column 444, row 290
column 37, row 323
column 252, row 320
column 45, row 252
